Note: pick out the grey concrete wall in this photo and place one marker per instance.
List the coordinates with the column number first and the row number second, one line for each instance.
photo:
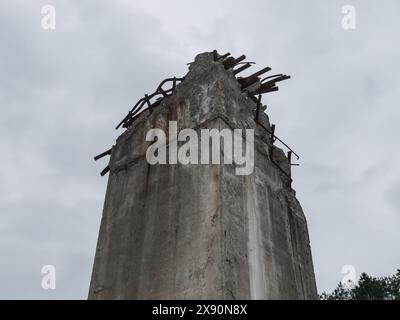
column 201, row 231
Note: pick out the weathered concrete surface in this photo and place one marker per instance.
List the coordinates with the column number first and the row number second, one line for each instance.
column 200, row 231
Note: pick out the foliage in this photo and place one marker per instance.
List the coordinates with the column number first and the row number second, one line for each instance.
column 367, row 288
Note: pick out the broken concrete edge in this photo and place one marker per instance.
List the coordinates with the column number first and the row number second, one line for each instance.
column 281, row 160
column 261, row 146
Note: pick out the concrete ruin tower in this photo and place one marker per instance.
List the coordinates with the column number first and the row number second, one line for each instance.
column 201, row 231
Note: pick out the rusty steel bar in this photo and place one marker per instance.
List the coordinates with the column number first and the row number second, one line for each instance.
column 215, row 55
column 224, row 56
column 157, row 102
column 129, row 113
column 169, row 91
column 131, row 120
column 270, row 85
column 255, row 75
column 262, row 71
column 289, row 156
column 101, row 155
column 105, row 170
column 147, row 99
column 272, row 134
column 258, row 107
column 148, row 103
column 249, row 82
column 277, row 79
column 266, row 85
column 266, row 90
column 233, row 62
column 227, row 62
column 162, row 91
column 139, row 108
column 242, row 68
column 169, row 80
column 273, row 76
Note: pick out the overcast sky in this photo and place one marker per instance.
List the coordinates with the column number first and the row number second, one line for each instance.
column 63, row 91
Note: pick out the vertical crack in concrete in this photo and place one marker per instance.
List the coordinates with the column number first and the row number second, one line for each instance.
column 255, row 245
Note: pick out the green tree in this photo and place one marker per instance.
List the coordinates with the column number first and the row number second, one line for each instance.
column 367, row 288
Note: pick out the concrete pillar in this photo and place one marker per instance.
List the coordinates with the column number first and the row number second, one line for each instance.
column 201, row 231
